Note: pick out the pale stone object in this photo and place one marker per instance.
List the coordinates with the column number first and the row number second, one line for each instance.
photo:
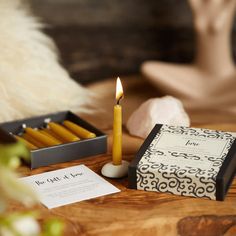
column 115, row 171
column 166, row 110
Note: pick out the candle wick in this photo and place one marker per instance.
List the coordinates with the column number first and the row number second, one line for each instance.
column 118, row 101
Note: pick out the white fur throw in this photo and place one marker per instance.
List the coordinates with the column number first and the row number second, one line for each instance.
column 32, row 82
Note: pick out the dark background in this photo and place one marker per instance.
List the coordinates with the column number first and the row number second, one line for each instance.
column 104, row 38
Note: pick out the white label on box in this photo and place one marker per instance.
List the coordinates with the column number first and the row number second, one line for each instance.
column 194, row 150
column 190, row 144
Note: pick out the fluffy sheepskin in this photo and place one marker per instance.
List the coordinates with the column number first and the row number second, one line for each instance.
column 32, row 82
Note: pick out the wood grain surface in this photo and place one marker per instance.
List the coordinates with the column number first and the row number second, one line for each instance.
column 135, row 212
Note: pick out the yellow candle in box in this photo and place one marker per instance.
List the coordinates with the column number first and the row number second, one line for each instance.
column 78, row 130
column 50, row 136
column 63, row 132
column 33, row 141
column 117, row 126
column 26, row 142
column 41, row 137
column 50, row 132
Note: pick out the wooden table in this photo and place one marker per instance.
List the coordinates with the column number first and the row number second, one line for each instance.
column 134, row 212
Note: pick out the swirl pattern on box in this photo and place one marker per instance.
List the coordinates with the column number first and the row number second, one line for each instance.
column 184, row 161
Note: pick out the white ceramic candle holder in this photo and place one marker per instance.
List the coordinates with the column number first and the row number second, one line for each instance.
column 115, row 171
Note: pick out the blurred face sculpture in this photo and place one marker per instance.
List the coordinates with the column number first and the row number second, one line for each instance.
column 209, row 83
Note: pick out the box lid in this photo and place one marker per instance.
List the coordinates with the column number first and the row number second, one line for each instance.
column 185, row 161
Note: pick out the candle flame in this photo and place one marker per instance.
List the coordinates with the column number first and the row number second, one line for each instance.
column 119, row 90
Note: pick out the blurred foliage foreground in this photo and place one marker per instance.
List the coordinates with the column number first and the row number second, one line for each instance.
column 12, row 188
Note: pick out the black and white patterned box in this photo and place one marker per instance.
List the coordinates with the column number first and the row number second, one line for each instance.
column 185, row 161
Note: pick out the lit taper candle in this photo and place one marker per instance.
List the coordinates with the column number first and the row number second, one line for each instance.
column 117, row 125
column 118, row 168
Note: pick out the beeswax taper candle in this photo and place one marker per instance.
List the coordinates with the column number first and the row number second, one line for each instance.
column 117, row 126
column 63, row 132
column 33, row 140
column 26, row 142
column 78, row 130
column 117, row 168
column 41, row 137
column 50, row 136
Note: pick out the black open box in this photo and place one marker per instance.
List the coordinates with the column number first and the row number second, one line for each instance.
column 63, row 152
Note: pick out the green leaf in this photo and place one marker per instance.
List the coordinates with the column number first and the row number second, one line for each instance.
column 53, row 227
column 10, row 154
